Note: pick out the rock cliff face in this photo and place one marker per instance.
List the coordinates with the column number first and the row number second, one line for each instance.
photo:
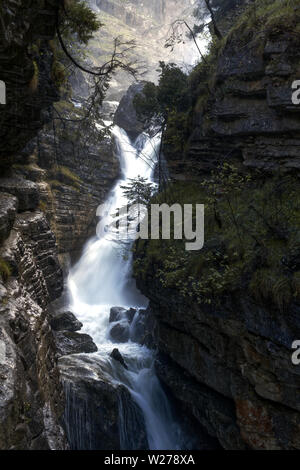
column 48, row 198
column 99, row 415
column 231, row 368
column 22, row 24
column 72, row 179
column 248, row 115
column 230, row 365
column 31, row 400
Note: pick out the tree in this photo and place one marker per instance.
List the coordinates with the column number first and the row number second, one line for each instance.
column 79, row 21
column 170, row 100
column 76, row 24
column 138, row 191
column 171, row 94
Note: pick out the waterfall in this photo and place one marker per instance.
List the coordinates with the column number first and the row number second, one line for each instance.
column 101, row 280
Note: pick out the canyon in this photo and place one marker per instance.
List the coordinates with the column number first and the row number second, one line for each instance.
column 226, row 370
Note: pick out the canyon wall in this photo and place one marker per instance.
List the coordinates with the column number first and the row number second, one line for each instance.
column 51, row 183
column 31, row 400
column 229, row 364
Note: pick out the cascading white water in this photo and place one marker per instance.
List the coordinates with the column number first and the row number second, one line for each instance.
column 102, row 279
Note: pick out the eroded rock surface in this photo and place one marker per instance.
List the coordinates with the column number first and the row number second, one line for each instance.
column 99, row 415
column 31, row 397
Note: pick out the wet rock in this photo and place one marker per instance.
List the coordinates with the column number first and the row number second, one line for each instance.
column 130, row 313
column 118, row 357
column 99, row 415
column 120, row 332
column 70, row 342
column 65, row 321
column 214, row 413
column 116, row 314
column 143, row 329
column 120, row 313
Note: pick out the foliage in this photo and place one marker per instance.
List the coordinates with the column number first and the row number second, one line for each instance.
column 177, row 131
column 171, row 94
column 146, row 103
column 80, row 22
column 252, row 241
column 138, row 191
column 168, row 104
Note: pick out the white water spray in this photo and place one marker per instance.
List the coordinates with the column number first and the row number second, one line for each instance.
column 102, row 279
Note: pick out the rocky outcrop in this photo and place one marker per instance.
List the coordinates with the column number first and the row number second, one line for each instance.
column 70, row 342
column 231, row 368
column 8, row 209
column 71, row 178
column 65, row 321
column 25, row 191
column 31, row 400
column 248, row 116
column 99, row 415
column 117, row 356
column 125, row 116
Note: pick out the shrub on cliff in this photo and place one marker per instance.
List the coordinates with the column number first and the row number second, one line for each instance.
column 252, row 241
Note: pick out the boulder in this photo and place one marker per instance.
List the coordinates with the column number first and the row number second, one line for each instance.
column 126, row 116
column 130, row 313
column 117, row 356
column 120, row 313
column 116, row 314
column 65, row 321
column 120, row 332
column 70, row 342
column 99, row 414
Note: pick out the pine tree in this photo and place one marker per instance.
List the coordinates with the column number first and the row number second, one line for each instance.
column 138, row 191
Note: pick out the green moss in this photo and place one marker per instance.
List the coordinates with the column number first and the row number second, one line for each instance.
column 64, row 107
column 34, row 82
column 70, row 175
column 58, row 73
column 268, row 16
column 5, row 269
column 43, row 206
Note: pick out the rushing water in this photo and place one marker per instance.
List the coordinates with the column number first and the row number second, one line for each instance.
column 101, row 280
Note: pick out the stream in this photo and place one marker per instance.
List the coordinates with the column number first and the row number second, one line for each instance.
column 102, row 279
